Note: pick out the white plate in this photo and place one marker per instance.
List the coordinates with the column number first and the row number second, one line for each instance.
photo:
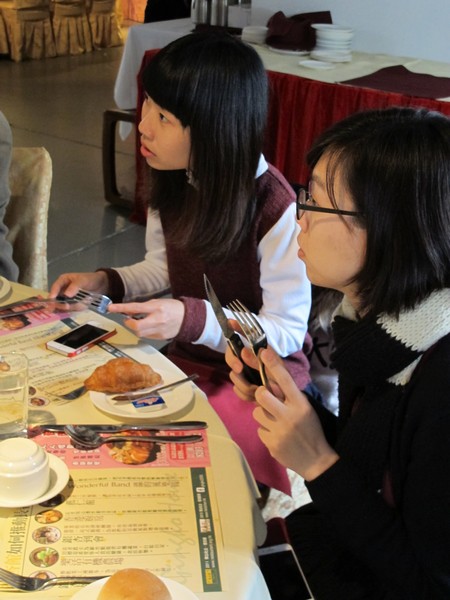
column 175, row 400
column 333, row 29
column 178, row 591
column 330, row 56
column 5, row 288
column 316, row 64
column 333, row 46
column 292, row 52
column 59, row 476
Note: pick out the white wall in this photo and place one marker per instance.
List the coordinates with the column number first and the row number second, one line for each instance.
column 415, row 28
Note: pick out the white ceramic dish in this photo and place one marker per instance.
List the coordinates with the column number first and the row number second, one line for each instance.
column 59, row 476
column 178, row 591
column 175, row 400
column 291, row 52
column 330, row 56
column 255, row 31
column 333, row 32
column 254, row 34
column 316, row 64
column 323, row 44
column 24, row 470
column 5, row 288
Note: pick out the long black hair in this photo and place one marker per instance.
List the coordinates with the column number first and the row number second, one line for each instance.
column 217, row 86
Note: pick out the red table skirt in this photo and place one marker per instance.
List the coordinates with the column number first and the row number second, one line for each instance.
column 299, row 110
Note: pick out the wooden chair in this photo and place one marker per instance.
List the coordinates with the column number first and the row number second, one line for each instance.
column 110, row 119
column 30, row 179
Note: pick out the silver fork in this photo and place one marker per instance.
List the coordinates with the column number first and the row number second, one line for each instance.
column 254, row 333
column 97, row 302
column 31, row 584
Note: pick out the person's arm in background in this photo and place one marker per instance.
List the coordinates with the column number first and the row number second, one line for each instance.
column 8, row 268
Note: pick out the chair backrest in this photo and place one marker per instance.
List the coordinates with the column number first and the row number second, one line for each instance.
column 26, row 216
column 4, row 44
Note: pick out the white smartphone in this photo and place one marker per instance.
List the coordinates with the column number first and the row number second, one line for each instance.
column 283, row 573
column 81, row 338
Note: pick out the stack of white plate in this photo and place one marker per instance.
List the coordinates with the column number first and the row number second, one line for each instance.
column 333, row 43
column 254, row 34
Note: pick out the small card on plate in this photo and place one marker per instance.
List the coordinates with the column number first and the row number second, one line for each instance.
column 149, row 404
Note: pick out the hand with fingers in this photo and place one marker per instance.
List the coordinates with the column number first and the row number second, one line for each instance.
column 68, row 284
column 242, row 387
column 159, row 319
column 291, row 429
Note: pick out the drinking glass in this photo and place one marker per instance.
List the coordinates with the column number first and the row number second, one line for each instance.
column 13, row 395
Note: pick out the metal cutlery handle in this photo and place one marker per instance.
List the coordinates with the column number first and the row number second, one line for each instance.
column 69, row 581
column 130, row 396
column 170, row 439
column 172, row 426
column 237, row 345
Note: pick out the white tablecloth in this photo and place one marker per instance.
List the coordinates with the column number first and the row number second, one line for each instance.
column 242, row 525
column 156, row 35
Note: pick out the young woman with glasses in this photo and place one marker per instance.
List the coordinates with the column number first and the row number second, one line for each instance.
column 375, row 226
column 215, row 207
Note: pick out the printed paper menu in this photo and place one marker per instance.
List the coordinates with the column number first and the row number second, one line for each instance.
column 124, row 506
column 52, row 374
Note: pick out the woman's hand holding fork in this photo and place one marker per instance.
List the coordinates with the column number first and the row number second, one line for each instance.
column 289, row 426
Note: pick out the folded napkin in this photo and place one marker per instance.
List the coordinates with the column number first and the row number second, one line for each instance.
column 294, row 33
column 400, row 80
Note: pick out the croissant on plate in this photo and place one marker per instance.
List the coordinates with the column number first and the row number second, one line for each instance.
column 122, row 375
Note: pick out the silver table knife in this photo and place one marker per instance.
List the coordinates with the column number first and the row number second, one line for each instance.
column 37, row 429
column 131, row 396
column 233, row 339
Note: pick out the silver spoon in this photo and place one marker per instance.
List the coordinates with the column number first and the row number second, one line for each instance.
column 91, row 439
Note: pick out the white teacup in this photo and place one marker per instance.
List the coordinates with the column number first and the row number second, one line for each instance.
column 24, row 470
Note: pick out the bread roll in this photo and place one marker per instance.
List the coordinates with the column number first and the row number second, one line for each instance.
column 134, row 584
column 120, row 375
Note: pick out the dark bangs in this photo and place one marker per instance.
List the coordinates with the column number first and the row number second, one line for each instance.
column 191, row 73
column 168, row 85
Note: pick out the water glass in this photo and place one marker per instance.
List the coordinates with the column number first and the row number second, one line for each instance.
column 13, row 395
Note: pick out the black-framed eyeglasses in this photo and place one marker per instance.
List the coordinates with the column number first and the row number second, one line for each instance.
column 306, row 202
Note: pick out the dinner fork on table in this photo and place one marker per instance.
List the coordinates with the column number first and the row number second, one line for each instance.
column 32, row 584
column 253, row 332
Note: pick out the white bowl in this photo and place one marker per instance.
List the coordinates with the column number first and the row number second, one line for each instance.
column 254, row 34
column 327, row 31
column 24, row 470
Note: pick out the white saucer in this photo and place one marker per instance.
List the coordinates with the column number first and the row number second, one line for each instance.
column 331, row 57
column 292, row 52
column 316, row 64
column 178, row 591
column 5, row 288
column 59, row 476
